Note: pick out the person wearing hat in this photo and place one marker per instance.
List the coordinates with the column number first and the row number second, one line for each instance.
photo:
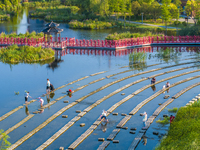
column 144, row 119
column 69, row 93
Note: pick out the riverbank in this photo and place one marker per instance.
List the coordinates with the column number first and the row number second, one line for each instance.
column 183, row 133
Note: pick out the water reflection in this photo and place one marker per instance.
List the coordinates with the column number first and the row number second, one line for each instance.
column 104, row 126
column 26, row 110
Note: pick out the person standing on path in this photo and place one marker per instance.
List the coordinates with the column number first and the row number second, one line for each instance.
column 144, row 119
column 26, row 95
column 153, row 80
column 48, row 86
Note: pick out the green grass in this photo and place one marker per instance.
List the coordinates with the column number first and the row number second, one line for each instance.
column 175, row 109
column 15, row 54
column 163, row 121
column 184, row 133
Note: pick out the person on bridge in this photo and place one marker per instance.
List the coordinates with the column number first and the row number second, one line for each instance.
column 41, row 101
column 48, row 86
column 153, row 80
column 69, row 93
column 103, row 116
column 52, row 88
column 26, row 96
column 144, row 119
column 167, row 84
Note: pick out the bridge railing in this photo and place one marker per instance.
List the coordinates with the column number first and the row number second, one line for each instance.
column 72, row 42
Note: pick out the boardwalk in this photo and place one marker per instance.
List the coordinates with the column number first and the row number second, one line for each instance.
column 72, row 43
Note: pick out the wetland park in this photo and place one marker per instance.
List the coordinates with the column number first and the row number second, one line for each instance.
column 107, row 52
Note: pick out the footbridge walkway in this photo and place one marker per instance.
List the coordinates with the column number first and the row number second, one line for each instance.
column 72, row 43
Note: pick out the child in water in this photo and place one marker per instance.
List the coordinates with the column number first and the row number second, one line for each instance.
column 103, row 116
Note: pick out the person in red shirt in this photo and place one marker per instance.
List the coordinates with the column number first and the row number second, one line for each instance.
column 171, row 118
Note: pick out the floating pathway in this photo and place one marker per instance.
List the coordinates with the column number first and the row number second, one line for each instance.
column 69, row 124
column 156, row 113
column 97, row 122
column 19, row 107
column 66, row 127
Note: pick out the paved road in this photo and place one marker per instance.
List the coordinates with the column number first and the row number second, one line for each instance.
column 147, row 24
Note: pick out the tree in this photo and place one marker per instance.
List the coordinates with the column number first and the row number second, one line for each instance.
column 123, row 9
column 135, row 8
column 129, row 9
column 155, row 10
column 190, row 6
column 4, row 140
column 166, row 15
column 104, row 8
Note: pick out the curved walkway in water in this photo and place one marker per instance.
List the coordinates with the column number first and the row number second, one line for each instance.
column 111, row 83
column 53, row 102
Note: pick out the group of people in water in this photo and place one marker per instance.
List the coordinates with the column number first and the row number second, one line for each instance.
column 49, row 88
column 153, row 81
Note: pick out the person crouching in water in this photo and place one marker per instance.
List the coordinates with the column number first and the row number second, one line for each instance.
column 69, row 93
column 41, row 101
column 103, row 116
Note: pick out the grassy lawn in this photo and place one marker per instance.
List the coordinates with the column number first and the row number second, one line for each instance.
column 184, row 133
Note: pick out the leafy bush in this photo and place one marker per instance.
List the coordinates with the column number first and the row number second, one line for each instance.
column 4, row 140
column 27, row 35
column 184, row 23
column 89, row 24
column 125, row 35
column 176, row 23
column 190, row 31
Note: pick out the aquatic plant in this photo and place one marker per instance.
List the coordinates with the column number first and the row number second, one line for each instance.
column 137, row 57
column 175, row 109
column 163, row 121
column 14, row 54
column 4, row 143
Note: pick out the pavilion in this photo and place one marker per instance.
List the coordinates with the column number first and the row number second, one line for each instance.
column 52, row 28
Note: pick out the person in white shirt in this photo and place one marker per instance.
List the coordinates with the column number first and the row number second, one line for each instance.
column 41, row 101
column 103, row 116
column 167, row 84
column 144, row 119
column 48, row 86
column 26, row 95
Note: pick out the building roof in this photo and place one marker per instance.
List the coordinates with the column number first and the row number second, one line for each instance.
column 52, row 24
column 52, row 30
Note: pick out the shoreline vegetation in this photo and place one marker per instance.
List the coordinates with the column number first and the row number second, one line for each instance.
column 183, row 132
column 127, row 35
column 27, row 54
column 27, row 35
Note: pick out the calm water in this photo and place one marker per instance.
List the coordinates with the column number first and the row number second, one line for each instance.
column 32, row 77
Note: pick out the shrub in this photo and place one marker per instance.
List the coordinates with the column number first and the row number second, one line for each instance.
column 176, row 23
column 184, row 23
